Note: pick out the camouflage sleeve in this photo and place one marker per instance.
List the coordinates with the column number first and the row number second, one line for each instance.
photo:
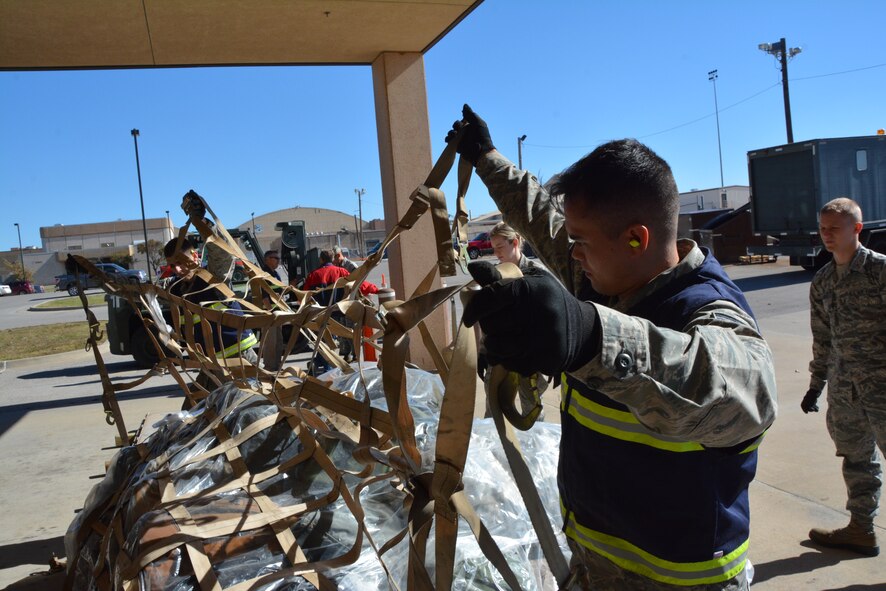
column 528, row 208
column 218, row 261
column 821, row 337
column 712, row 383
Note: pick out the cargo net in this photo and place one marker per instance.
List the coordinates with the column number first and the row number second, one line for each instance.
column 281, row 481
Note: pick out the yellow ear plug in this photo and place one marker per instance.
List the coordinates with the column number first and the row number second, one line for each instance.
column 634, row 243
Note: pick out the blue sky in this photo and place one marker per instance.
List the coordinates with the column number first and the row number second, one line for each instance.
column 568, row 74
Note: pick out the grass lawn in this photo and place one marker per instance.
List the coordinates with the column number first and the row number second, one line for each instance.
column 96, row 299
column 33, row 341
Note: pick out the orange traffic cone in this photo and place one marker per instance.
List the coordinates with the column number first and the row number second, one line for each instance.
column 368, row 350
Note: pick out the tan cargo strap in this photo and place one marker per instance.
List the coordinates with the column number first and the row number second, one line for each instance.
column 501, row 389
column 311, row 409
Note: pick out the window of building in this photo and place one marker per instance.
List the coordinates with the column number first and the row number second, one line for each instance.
column 107, row 244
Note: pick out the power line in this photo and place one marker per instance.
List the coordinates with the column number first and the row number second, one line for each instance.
column 702, row 118
column 840, row 73
column 708, row 116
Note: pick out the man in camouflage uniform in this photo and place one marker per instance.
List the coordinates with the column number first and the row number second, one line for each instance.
column 668, row 384
column 849, row 355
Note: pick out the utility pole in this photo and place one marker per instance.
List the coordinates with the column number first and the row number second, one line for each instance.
column 712, row 76
column 780, row 50
column 141, row 199
column 21, row 253
column 360, row 193
column 520, row 141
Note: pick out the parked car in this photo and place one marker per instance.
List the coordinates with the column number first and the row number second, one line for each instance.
column 116, row 272
column 21, row 287
column 120, row 274
column 5, row 290
column 69, row 284
column 480, row 245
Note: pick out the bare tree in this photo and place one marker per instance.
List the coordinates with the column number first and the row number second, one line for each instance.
column 15, row 268
column 153, row 250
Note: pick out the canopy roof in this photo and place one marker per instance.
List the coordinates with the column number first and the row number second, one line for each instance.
column 63, row 34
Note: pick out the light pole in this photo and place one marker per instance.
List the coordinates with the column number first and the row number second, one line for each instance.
column 21, row 253
column 520, row 141
column 141, row 199
column 780, row 50
column 252, row 215
column 360, row 193
column 168, row 225
column 712, row 76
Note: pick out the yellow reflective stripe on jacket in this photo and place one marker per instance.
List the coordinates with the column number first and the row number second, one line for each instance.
column 216, row 306
column 625, row 426
column 635, row 559
column 754, row 444
column 621, row 424
column 235, row 349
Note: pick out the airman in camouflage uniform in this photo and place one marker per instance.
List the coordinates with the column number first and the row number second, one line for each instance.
column 641, row 415
column 847, row 300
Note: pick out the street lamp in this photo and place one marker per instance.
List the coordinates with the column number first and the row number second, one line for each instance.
column 141, row 199
column 780, row 50
column 360, row 193
column 252, row 215
column 21, row 253
column 520, row 141
column 712, row 76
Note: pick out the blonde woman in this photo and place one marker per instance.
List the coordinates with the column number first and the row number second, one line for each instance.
column 507, row 246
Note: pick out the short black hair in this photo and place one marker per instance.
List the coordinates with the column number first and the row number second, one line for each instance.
column 626, row 183
column 325, row 256
column 187, row 244
column 272, row 253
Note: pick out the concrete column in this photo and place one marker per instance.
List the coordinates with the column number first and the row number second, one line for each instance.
column 404, row 147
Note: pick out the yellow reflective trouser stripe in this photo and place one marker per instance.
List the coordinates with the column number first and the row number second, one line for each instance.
column 621, row 425
column 243, row 345
column 234, row 349
column 635, row 559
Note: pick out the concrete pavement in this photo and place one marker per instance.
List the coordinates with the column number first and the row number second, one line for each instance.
column 54, row 442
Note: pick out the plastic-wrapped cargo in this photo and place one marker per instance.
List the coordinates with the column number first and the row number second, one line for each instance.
column 241, row 493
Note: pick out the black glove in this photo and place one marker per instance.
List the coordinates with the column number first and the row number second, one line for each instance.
column 476, row 140
column 482, row 365
column 532, row 324
column 810, row 401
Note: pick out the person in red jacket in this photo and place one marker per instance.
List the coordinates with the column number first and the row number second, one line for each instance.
column 324, row 277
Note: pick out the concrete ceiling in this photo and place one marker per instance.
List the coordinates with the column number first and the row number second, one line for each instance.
column 66, row 34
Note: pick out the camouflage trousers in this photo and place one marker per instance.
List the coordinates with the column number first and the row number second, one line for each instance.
column 857, row 425
column 597, row 573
